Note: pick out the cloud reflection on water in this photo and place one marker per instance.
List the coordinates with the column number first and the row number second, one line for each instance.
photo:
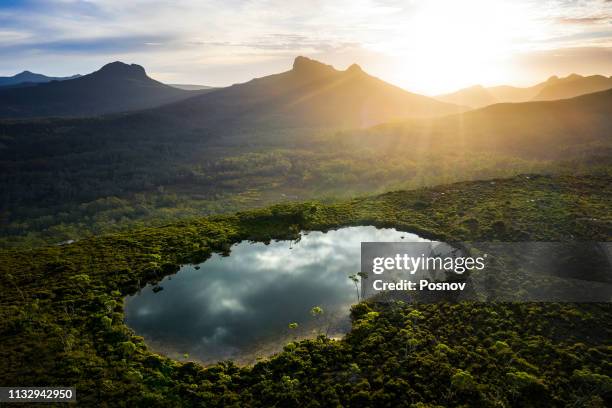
column 237, row 303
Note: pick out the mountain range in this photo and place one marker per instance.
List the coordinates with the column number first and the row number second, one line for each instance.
column 310, row 94
column 116, row 87
column 554, row 88
column 27, row 77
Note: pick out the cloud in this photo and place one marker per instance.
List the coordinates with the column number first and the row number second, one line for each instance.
column 218, row 42
column 283, row 42
column 565, row 61
column 601, row 19
column 85, row 45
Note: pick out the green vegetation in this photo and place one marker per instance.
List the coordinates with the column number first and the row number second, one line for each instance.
column 102, row 189
column 61, row 313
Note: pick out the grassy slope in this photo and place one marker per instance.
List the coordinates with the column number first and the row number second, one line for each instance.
column 61, row 312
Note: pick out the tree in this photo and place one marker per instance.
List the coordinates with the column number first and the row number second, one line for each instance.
column 356, row 278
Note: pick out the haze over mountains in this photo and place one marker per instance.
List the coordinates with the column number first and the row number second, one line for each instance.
column 554, row 88
column 573, row 85
column 558, row 130
column 310, row 94
column 313, row 92
column 116, row 87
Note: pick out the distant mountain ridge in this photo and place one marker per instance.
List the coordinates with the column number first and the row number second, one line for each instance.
column 311, row 94
column 548, row 130
column 27, row 77
column 571, row 86
column 116, row 87
column 552, row 89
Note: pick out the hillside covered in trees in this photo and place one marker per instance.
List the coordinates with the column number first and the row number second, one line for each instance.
column 62, row 312
column 68, row 178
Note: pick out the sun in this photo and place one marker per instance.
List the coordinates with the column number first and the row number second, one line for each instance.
column 445, row 45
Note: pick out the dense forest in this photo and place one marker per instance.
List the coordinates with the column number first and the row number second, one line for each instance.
column 62, row 311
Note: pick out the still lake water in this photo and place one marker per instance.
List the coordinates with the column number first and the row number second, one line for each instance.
column 239, row 307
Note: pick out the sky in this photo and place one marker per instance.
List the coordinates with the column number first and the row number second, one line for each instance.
column 429, row 46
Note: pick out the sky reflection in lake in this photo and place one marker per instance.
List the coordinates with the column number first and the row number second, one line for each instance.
column 239, row 307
